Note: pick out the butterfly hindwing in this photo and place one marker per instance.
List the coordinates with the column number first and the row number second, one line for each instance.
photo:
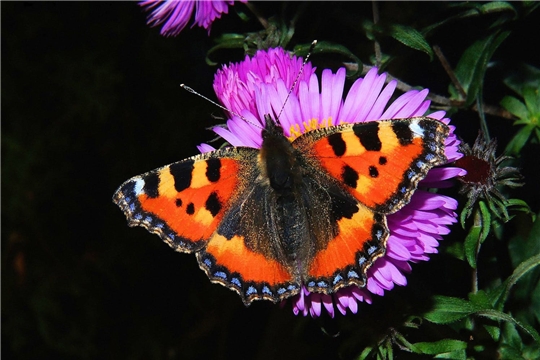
column 252, row 274
column 245, row 253
column 345, row 260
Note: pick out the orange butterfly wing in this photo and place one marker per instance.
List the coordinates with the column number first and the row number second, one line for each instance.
column 380, row 164
column 188, row 202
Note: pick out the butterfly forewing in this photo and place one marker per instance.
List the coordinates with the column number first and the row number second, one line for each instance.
column 379, row 162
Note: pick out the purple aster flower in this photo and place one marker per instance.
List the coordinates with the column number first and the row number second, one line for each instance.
column 175, row 14
column 259, row 86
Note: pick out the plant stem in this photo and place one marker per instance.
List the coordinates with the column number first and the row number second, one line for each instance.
column 378, row 57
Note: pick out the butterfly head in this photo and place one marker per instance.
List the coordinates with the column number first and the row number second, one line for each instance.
column 272, row 127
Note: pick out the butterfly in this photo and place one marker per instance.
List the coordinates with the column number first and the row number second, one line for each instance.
column 308, row 213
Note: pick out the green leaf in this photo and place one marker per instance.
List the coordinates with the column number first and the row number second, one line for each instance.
column 486, row 221
column 497, row 6
column 523, row 76
column 456, row 250
column 532, row 100
column 449, row 309
column 511, row 336
column 535, row 301
column 456, row 355
column 498, row 208
column 242, row 15
column 389, row 350
column 464, row 214
column 480, row 299
column 499, row 295
column 472, row 65
column 522, row 122
column 477, row 233
column 411, row 38
column 493, row 331
column 507, row 352
column 487, row 8
column 369, row 29
column 440, row 347
column 525, row 242
column 225, row 41
column 499, row 315
column 471, row 245
column 515, row 107
column 519, row 140
column 531, row 351
column 385, row 58
column 365, row 354
column 520, row 205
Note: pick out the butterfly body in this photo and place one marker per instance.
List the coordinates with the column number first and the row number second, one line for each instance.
column 312, row 212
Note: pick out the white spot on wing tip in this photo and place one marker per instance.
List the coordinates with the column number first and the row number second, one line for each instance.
column 139, row 184
column 415, row 128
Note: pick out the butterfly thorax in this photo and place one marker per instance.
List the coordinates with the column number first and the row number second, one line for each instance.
column 281, row 168
column 279, row 160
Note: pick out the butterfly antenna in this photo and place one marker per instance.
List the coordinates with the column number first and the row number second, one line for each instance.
column 312, row 46
column 185, row 87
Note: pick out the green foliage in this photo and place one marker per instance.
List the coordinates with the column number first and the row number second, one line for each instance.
column 472, row 66
column 526, row 111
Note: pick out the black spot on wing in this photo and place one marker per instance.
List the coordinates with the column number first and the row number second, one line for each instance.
column 213, row 169
column 190, row 209
column 368, row 134
column 349, row 176
column 151, row 184
column 373, row 172
column 403, row 132
column 337, row 143
column 182, row 173
column 382, row 160
column 343, row 207
column 213, row 204
column 178, row 202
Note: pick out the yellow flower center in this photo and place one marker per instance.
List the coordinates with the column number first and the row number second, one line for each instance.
column 296, row 130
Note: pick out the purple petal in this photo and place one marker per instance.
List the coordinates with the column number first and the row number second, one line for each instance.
column 396, row 250
column 331, row 93
column 205, row 148
column 378, row 108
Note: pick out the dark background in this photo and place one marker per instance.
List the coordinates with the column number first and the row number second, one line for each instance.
column 90, row 98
